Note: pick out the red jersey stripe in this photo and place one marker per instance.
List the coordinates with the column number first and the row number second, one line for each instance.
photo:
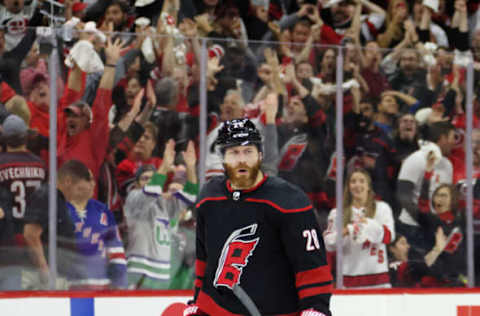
column 278, row 207
column 208, row 305
column 317, row 290
column 317, row 275
column 117, row 255
column 387, row 235
column 218, row 198
column 200, row 266
column 366, row 280
column 198, row 283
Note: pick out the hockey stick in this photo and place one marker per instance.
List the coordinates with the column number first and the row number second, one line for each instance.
column 245, row 300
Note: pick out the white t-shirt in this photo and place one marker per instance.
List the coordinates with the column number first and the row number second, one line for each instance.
column 413, row 170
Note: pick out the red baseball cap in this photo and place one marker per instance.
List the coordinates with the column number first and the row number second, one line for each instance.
column 80, row 108
column 79, row 6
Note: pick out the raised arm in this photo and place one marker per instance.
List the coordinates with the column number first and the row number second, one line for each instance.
column 190, row 158
column 112, row 52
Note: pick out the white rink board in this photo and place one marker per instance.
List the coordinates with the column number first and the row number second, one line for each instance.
column 402, row 304
column 35, row 306
column 342, row 305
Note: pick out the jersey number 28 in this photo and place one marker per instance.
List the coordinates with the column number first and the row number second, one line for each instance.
column 312, row 239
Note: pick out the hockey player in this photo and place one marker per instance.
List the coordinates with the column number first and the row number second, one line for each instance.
column 256, row 235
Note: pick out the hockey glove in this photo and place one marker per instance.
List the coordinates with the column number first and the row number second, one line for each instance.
column 193, row 310
column 311, row 312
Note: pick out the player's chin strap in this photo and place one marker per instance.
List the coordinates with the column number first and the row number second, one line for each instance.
column 245, row 300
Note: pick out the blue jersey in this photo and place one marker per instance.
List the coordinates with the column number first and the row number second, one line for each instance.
column 100, row 257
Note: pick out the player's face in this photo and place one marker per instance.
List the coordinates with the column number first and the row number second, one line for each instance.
column 359, row 186
column 400, row 249
column 442, row 200
column 242, row 165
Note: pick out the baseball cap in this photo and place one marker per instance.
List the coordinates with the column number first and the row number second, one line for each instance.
column 13, row 125
column 79, row 6
column 80, row 109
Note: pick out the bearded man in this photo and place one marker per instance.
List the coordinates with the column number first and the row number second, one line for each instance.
column 247, row 221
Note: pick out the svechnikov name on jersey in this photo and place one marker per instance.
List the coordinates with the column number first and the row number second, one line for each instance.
column 14, row 173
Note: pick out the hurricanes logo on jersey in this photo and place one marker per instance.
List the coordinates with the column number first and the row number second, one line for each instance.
column 292, row 151
column 235, row 256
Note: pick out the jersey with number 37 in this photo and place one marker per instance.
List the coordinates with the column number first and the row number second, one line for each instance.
column 21, row 173
column 265, row 240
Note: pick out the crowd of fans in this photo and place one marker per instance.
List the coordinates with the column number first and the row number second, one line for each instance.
column 127, row 96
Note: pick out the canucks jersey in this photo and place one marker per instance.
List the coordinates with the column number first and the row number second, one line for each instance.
column 100, row 261
column 151, row 235
column 264, row 239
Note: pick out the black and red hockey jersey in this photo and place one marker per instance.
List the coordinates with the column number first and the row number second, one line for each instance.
column 267, row 241
column 21, row 173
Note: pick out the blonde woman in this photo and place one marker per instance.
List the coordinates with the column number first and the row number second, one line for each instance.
column 368, row 227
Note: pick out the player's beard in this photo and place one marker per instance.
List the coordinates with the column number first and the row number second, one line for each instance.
column 242, row 181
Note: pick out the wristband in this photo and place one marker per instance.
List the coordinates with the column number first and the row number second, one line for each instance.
column 110, row 65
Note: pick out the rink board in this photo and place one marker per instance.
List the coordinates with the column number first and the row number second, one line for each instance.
column 464, row 302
